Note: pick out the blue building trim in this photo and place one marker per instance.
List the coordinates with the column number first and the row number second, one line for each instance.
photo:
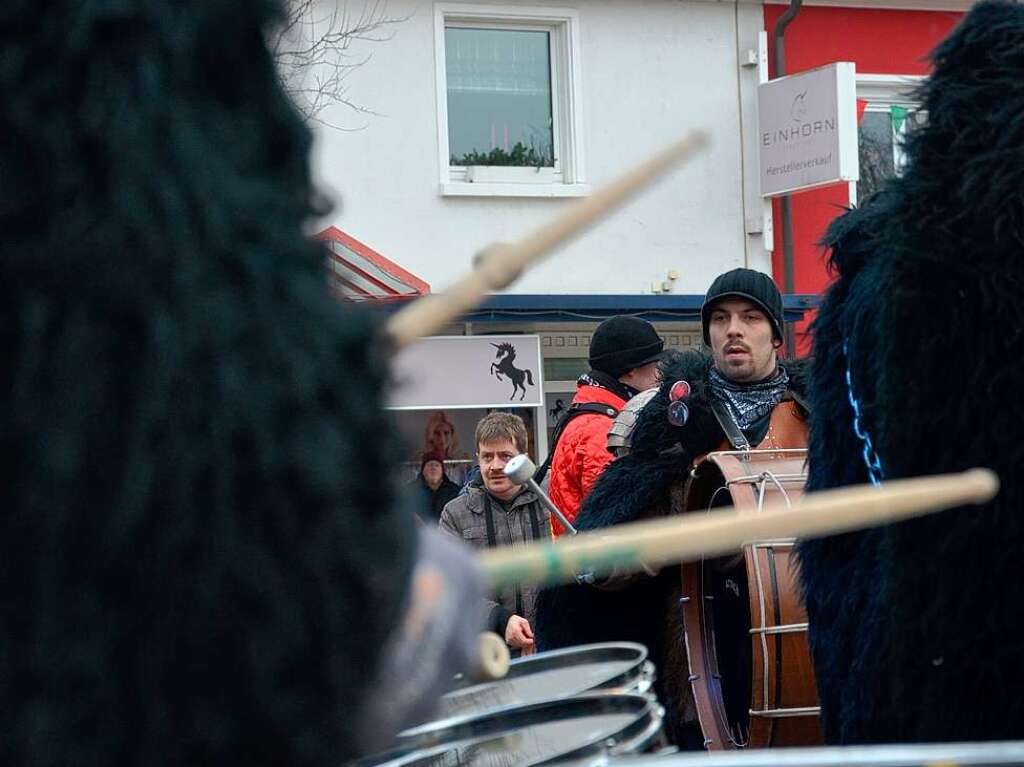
column 509, row 307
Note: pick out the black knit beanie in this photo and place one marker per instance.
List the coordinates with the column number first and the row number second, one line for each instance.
column 751, row 285
column 434, row 456
column 622, row 343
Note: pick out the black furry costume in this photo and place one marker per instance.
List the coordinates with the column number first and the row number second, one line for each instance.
column 917, row 629
column 636, row 486
column 196, row 570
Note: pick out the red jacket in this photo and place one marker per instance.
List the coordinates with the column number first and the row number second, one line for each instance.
column 581, row 454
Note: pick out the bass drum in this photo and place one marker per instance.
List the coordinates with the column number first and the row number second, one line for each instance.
column 746, row 631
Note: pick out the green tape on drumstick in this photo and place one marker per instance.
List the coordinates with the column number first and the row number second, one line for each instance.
column 550, row 565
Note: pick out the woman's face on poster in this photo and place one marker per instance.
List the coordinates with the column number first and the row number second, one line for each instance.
column 443, row 436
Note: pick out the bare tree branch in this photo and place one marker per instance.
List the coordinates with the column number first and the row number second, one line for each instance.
column 312, row 50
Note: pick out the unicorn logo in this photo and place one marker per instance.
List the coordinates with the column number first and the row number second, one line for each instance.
column 799, row 109
column 557, row 410
column 506, row 355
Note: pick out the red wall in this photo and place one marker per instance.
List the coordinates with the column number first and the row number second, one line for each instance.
column 880, row 42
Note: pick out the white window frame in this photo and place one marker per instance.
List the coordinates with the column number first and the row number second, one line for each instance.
column 883, row 92
column 567, row 178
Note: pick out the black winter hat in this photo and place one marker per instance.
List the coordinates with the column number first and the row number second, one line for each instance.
column 622, row 343
column 751, row 285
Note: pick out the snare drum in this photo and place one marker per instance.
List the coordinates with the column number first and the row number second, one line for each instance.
column 579, row 731
column 745, row 628
column 608, row 666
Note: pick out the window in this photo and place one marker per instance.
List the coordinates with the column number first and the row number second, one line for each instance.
column 565, row 368
column 890, row 112
column 499, row 97
column 508, row 96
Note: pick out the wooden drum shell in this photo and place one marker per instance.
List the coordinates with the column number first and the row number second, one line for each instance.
column 783, row 705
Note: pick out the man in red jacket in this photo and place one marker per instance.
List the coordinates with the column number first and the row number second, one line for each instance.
column 624, row 355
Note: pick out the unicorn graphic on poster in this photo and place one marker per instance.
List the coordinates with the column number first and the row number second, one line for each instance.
column 506, row 355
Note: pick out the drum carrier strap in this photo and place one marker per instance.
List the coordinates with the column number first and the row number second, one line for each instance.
column 534, row 521
column 492, row 539
column 732, row 430
column 575, row 409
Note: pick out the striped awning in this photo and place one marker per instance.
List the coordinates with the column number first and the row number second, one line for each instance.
column 360, row 273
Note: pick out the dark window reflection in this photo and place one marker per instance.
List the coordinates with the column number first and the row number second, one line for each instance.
column 881, row 137
column 875, row 140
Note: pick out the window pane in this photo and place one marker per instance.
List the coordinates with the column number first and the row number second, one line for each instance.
column 876, row 155
column 565, row 368
column 499, row 97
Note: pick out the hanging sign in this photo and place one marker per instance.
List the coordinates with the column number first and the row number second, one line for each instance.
column 468, row 371
column 807, row 129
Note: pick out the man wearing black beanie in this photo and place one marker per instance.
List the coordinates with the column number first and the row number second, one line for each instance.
column 742, row 324
column 624, row 356
column 737, row 396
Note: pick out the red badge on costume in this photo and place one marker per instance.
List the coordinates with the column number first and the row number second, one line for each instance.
column 680, row 390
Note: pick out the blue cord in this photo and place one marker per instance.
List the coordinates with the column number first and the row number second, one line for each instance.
column 871, row 459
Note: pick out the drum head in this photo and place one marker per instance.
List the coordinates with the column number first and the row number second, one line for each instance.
column 609, row 666
column 576, row 729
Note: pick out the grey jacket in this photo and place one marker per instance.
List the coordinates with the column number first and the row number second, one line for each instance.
column 526, row 520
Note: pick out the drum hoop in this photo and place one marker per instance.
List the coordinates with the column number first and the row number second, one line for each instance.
column 583, row 649
column 441, row 736
column 987, row 754
column 759, row 451
column 548, row 660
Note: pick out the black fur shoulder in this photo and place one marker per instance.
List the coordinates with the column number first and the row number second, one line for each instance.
column 851, row 238
column 799, row 370
column 191, row 420
column 924, row 318
column 634, row 485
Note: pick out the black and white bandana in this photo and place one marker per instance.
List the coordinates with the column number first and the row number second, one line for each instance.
column 750, row 402
column 609, row 382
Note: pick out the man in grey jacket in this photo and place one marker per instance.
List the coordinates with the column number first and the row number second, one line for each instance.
column 496, row 512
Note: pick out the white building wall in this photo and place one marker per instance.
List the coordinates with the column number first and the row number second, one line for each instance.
column 651, row 69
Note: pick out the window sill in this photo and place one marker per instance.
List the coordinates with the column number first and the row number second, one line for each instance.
column 466, row 189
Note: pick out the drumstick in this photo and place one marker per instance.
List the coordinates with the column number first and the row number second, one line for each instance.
column 492, row 658
column 500, row 264
column 689, row 537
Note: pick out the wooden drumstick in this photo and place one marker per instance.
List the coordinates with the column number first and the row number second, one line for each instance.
column 499, row 265
column 689, row 537
column 492, row 658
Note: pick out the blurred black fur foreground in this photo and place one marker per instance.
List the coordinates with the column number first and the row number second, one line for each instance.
column 202, row 553
column 917, row 629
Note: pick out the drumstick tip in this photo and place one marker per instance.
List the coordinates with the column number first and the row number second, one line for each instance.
column 492, row 660
column 984, row 483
